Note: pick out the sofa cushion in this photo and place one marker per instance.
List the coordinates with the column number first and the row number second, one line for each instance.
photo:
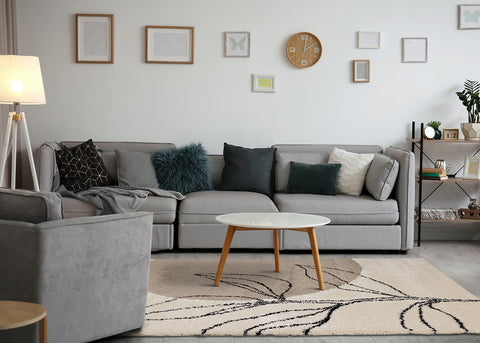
column 184, row 170
column 282, row 164
column 29, row 206
column 381, row 176
column 313, row 178
column 163, row 209
column 247, row 169
column 341, row 209
column 351, row 176
column 73, row 208
column 81, row 167
column 134, row 169
column 203, row 207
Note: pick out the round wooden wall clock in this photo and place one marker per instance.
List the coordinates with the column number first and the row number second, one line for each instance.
column 304, row 49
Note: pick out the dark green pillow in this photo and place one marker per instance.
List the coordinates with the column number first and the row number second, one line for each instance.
column 313, row 178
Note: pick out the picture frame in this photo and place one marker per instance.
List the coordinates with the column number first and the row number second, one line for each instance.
column 471, row 168
column 169, row 44
column 94, row 38
column 450, row 134
column 368, row 40
column 361, row 71
column 263, row 83
column 236, row 44
column 469, row 17
column 415, row 50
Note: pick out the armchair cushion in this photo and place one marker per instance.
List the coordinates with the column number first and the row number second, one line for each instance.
column 44, row 206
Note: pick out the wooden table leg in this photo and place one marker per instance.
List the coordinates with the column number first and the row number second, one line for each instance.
column 316, row 255
column 276, row 244
column 225, row 250
column 43, row 330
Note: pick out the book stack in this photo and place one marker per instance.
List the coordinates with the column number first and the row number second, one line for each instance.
column 433, row 174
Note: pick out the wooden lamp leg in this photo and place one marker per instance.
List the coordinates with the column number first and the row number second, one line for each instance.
column 29, row 151
column 3, row 162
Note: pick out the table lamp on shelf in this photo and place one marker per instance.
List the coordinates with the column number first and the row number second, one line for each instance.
column 20, row 83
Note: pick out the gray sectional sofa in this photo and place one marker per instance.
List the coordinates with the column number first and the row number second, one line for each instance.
column 357, row 222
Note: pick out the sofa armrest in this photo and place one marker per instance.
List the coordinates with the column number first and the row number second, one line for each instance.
column 46, row 166
column 404, row 193
column 90, row 273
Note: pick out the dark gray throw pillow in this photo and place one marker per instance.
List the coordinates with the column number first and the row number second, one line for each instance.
column 184, row 169
column 313, row 178
column 247, row 169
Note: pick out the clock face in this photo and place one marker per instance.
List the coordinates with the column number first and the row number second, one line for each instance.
column 304, row 49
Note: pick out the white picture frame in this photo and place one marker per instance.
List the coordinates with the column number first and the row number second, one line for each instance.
column 415, row 50
column 263, row 83
column 469, row 17
column 471, row 168
column 361, row 71
column 237, row 44
column 169, row 44
column 94, row 38
column 368, row 40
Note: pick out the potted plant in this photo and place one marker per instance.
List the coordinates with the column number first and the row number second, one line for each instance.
column 470, row 98
column 436, row 124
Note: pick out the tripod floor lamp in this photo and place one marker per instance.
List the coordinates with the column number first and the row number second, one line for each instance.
column 20, row 83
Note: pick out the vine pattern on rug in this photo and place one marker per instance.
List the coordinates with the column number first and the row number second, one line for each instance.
column 313, row 314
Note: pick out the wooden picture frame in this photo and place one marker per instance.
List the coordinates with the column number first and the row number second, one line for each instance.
column 450, row 134
column 169, row 44
column 263, row 83
column 469, row 17
column 415, row 50
column 94, row 38
column 361, row 71
column 236, row 44
column 368, row 40
column 471, row 168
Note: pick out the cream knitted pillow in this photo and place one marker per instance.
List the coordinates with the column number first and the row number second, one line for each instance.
column 351, row 176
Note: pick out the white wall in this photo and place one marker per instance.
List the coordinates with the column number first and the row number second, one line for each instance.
column 211, row 101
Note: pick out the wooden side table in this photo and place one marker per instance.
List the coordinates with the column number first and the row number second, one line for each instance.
column 15, row 314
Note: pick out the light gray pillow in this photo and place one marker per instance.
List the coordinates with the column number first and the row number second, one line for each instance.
column 134, row 169
column 381, row 176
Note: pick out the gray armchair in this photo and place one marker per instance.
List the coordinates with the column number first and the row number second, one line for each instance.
column 90, row 273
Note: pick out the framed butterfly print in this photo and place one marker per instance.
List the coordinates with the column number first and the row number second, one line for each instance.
column 237, row 44
column 469, row 17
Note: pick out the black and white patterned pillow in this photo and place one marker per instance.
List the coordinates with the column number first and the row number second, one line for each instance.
column 81, row 167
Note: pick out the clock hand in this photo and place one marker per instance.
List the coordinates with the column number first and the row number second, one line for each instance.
column 305, row 49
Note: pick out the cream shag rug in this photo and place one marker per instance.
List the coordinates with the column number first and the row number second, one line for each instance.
column 362, row 297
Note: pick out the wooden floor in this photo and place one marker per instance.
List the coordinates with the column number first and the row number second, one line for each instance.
column 459, row 260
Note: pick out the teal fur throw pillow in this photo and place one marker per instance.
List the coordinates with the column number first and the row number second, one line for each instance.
column 313, row 178
column 183, row 170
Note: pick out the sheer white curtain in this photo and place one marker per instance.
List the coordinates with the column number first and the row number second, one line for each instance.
column 8, row 46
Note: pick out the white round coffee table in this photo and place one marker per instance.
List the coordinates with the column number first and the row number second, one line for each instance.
column 275, row 222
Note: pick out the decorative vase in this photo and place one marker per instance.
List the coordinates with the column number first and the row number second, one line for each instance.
column 438, row 134
column 471, row 131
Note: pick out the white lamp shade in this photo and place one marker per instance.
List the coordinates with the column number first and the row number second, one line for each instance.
column 21, row 80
